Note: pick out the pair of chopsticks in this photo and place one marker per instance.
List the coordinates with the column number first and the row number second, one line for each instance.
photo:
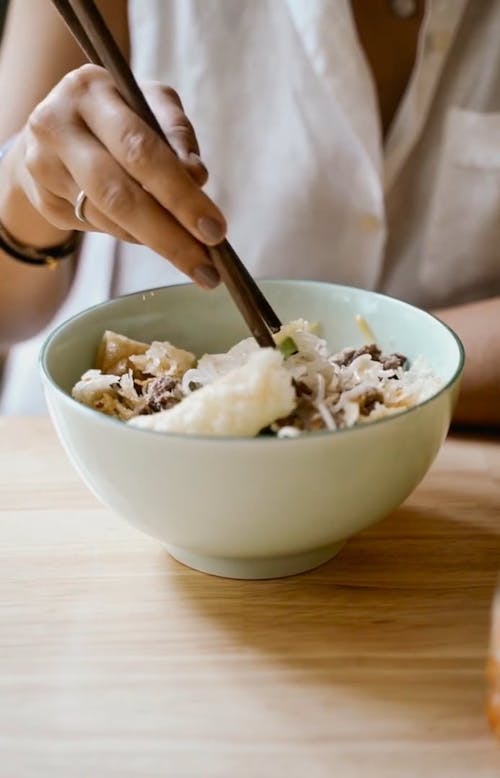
column 91, row 32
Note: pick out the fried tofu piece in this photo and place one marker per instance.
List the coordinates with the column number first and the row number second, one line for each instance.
column 114, row 353
column 118, row 354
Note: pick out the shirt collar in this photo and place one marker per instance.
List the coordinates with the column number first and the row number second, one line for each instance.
column 438, row 32
column 327, row 31
column 329, row 38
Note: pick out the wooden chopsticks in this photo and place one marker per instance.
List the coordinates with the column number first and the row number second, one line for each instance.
column 91, row 32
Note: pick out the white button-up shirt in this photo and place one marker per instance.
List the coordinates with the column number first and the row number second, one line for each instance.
column 286, row 112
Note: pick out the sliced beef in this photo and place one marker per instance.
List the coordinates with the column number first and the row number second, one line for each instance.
column 163, row 393
column 393, row 361
column 350, row 354
column 368, row 400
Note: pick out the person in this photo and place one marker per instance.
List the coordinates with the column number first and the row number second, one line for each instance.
column 346, row 141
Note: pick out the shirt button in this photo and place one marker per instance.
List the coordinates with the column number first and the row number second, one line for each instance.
column 369, row 223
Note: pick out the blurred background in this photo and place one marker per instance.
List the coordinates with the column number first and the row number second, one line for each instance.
column 3, row 10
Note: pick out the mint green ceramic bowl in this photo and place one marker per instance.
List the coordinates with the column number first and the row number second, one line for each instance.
column 260, row 507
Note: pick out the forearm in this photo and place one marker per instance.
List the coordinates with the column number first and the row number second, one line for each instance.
column 28, row 295
column 36, row 53
column 478, row 326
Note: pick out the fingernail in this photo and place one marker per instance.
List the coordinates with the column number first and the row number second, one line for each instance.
column 211, row 230
column 206, row 276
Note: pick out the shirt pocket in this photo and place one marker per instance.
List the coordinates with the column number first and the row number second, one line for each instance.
column 461, row 244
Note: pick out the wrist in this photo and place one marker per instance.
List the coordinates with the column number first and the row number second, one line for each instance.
column 17, row 214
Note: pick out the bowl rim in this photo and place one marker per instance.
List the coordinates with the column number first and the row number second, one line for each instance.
column 267, row 439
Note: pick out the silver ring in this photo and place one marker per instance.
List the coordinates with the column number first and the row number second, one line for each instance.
column 79, row 206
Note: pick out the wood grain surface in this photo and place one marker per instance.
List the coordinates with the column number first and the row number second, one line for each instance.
column 116, row 661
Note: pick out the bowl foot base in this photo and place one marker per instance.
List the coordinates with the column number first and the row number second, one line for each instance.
column 255, row 567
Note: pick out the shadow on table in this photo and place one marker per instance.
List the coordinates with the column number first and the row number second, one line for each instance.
column 408, row 601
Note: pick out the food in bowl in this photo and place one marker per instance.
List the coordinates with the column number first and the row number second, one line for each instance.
column 298, row 387
column 252, row 507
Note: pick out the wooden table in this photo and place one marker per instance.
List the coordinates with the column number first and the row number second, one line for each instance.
column 116, row 661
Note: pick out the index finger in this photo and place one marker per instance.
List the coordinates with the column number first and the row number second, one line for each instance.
column 150, row 161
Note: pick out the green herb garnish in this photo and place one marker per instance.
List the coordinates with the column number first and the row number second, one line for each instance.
column 288, row 347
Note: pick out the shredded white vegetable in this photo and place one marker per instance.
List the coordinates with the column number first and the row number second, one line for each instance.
column 332, row 391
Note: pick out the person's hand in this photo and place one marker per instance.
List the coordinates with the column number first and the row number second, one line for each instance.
column 84, row 137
